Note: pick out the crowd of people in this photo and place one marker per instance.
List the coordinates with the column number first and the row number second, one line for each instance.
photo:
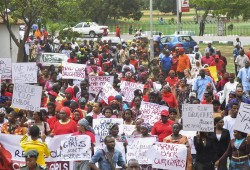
column 170, row 79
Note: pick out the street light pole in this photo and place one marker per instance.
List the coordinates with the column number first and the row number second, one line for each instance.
column 151, row 32
column 178, row 16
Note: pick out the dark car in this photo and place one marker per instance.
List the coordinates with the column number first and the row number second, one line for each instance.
column 184, row 41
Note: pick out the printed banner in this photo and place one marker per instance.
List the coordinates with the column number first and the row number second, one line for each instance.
column 198, row 117
column 5, row 68
column 73, row 71
column 128, row 129
column 97, row 82
column 138, row 147
column 128, row 88
column 184, row 5
column 76, row 148
column 151, row 112
column 108, row 90
column 27, row 97
column 101, row 126
column 24, row 73
column 243, row 118
column 168, row 156
column 11, row 144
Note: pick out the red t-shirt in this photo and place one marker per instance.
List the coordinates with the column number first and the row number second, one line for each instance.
column 51, row 121
column 205, row 60
column 170, row 100
column 162, row 130
column 134, row 63
column 130, row 80
column 90, row 134
column 7, row 94
column 61, row 129
column 171, row 81
column 74, row 60
column 219, row 66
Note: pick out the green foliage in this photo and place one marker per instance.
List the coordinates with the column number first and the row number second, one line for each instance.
column 166, row 5
column 68, row 34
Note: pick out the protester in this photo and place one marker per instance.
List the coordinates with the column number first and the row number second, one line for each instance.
column 31, row 159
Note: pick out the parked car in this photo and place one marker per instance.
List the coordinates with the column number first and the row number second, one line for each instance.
column 114, row 40
column 184, row 41
column 56, row 59
column 90, row 28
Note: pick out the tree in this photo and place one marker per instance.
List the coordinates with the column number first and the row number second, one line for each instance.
column 29, row 11
column 166, row 5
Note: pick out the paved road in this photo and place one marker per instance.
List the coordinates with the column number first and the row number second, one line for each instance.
column 245, row 40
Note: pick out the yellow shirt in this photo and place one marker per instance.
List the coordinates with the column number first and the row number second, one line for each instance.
column 41, row 148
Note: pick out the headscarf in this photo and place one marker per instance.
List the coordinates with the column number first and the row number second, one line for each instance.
column 2, row 110
column 146, row 125
column 81, row 115
column 66, row 110
column 82, row 100
column 70, row 90
column 86, row 125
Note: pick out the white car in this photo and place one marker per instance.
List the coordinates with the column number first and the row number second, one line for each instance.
column 90, row 28
column 114, row 40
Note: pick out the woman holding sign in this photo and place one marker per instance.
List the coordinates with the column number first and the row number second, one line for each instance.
column 177, row 138
column 239, row 149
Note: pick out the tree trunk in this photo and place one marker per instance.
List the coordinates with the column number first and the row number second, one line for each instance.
column 20, row 54
column 204, row 16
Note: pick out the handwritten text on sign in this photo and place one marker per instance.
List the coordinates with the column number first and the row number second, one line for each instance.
column 151, row 112
column 128, row 129
column 108, row 90
column 168, row 156
column 73, row 71
column 243, row 118
column 138, row 147
column 101, row 126
column 27, row 97
column 97, row 82
column 76, row 148
column 198, row 117
column 24, row 72
column 5, row 68
column 128, row 88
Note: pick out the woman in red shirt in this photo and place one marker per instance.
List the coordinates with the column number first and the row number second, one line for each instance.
column 169, row 97
column 65, row 125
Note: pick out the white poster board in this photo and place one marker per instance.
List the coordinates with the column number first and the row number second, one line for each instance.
column 190, row 136
column 5, row 68
column 198, row 117
column 97, row 82
column 128, row 129
column 137, row 148
column 76, row 148
column 108, row 90
column 243, row 118
column 27, row 97
column 24, row 73
column 101, row 126
column 151, row 112
column 73, row 71
column 168, row 156
column 128, row 88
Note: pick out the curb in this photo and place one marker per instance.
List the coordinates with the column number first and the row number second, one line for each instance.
column 217, row 42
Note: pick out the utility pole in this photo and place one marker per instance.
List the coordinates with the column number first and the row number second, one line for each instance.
column 151, row 32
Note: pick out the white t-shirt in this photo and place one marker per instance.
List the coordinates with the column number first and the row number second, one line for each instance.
column 229, row 125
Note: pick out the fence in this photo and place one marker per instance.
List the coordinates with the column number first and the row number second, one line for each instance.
column 211, row 28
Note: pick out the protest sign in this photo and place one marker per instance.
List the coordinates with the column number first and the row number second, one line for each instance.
column 243, row 118
column 73, row 71
column 108, row 90
column 128, row 129
column 76, row 148
column 97, row 82
column 24, row 73
column 151, row 112
column 101, row 126
column 5, row 68
column 168, row 156
column 213, row 72
column 27, row 97
column 137, row 148
column 128, row 88
column 54, row 161
column 190, row 136
column 198, row 117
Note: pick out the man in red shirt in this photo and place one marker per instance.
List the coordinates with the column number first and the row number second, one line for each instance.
column 206, row 59
column 172, row 79
column 133, row 61
column 220, row 65
column 163, row 127
column 72, row 58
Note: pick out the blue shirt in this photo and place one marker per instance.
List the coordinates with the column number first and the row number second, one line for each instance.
column 236, row 52
column 201, row 84
column 244, row 75
column 166, row 62
column 103, row 162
